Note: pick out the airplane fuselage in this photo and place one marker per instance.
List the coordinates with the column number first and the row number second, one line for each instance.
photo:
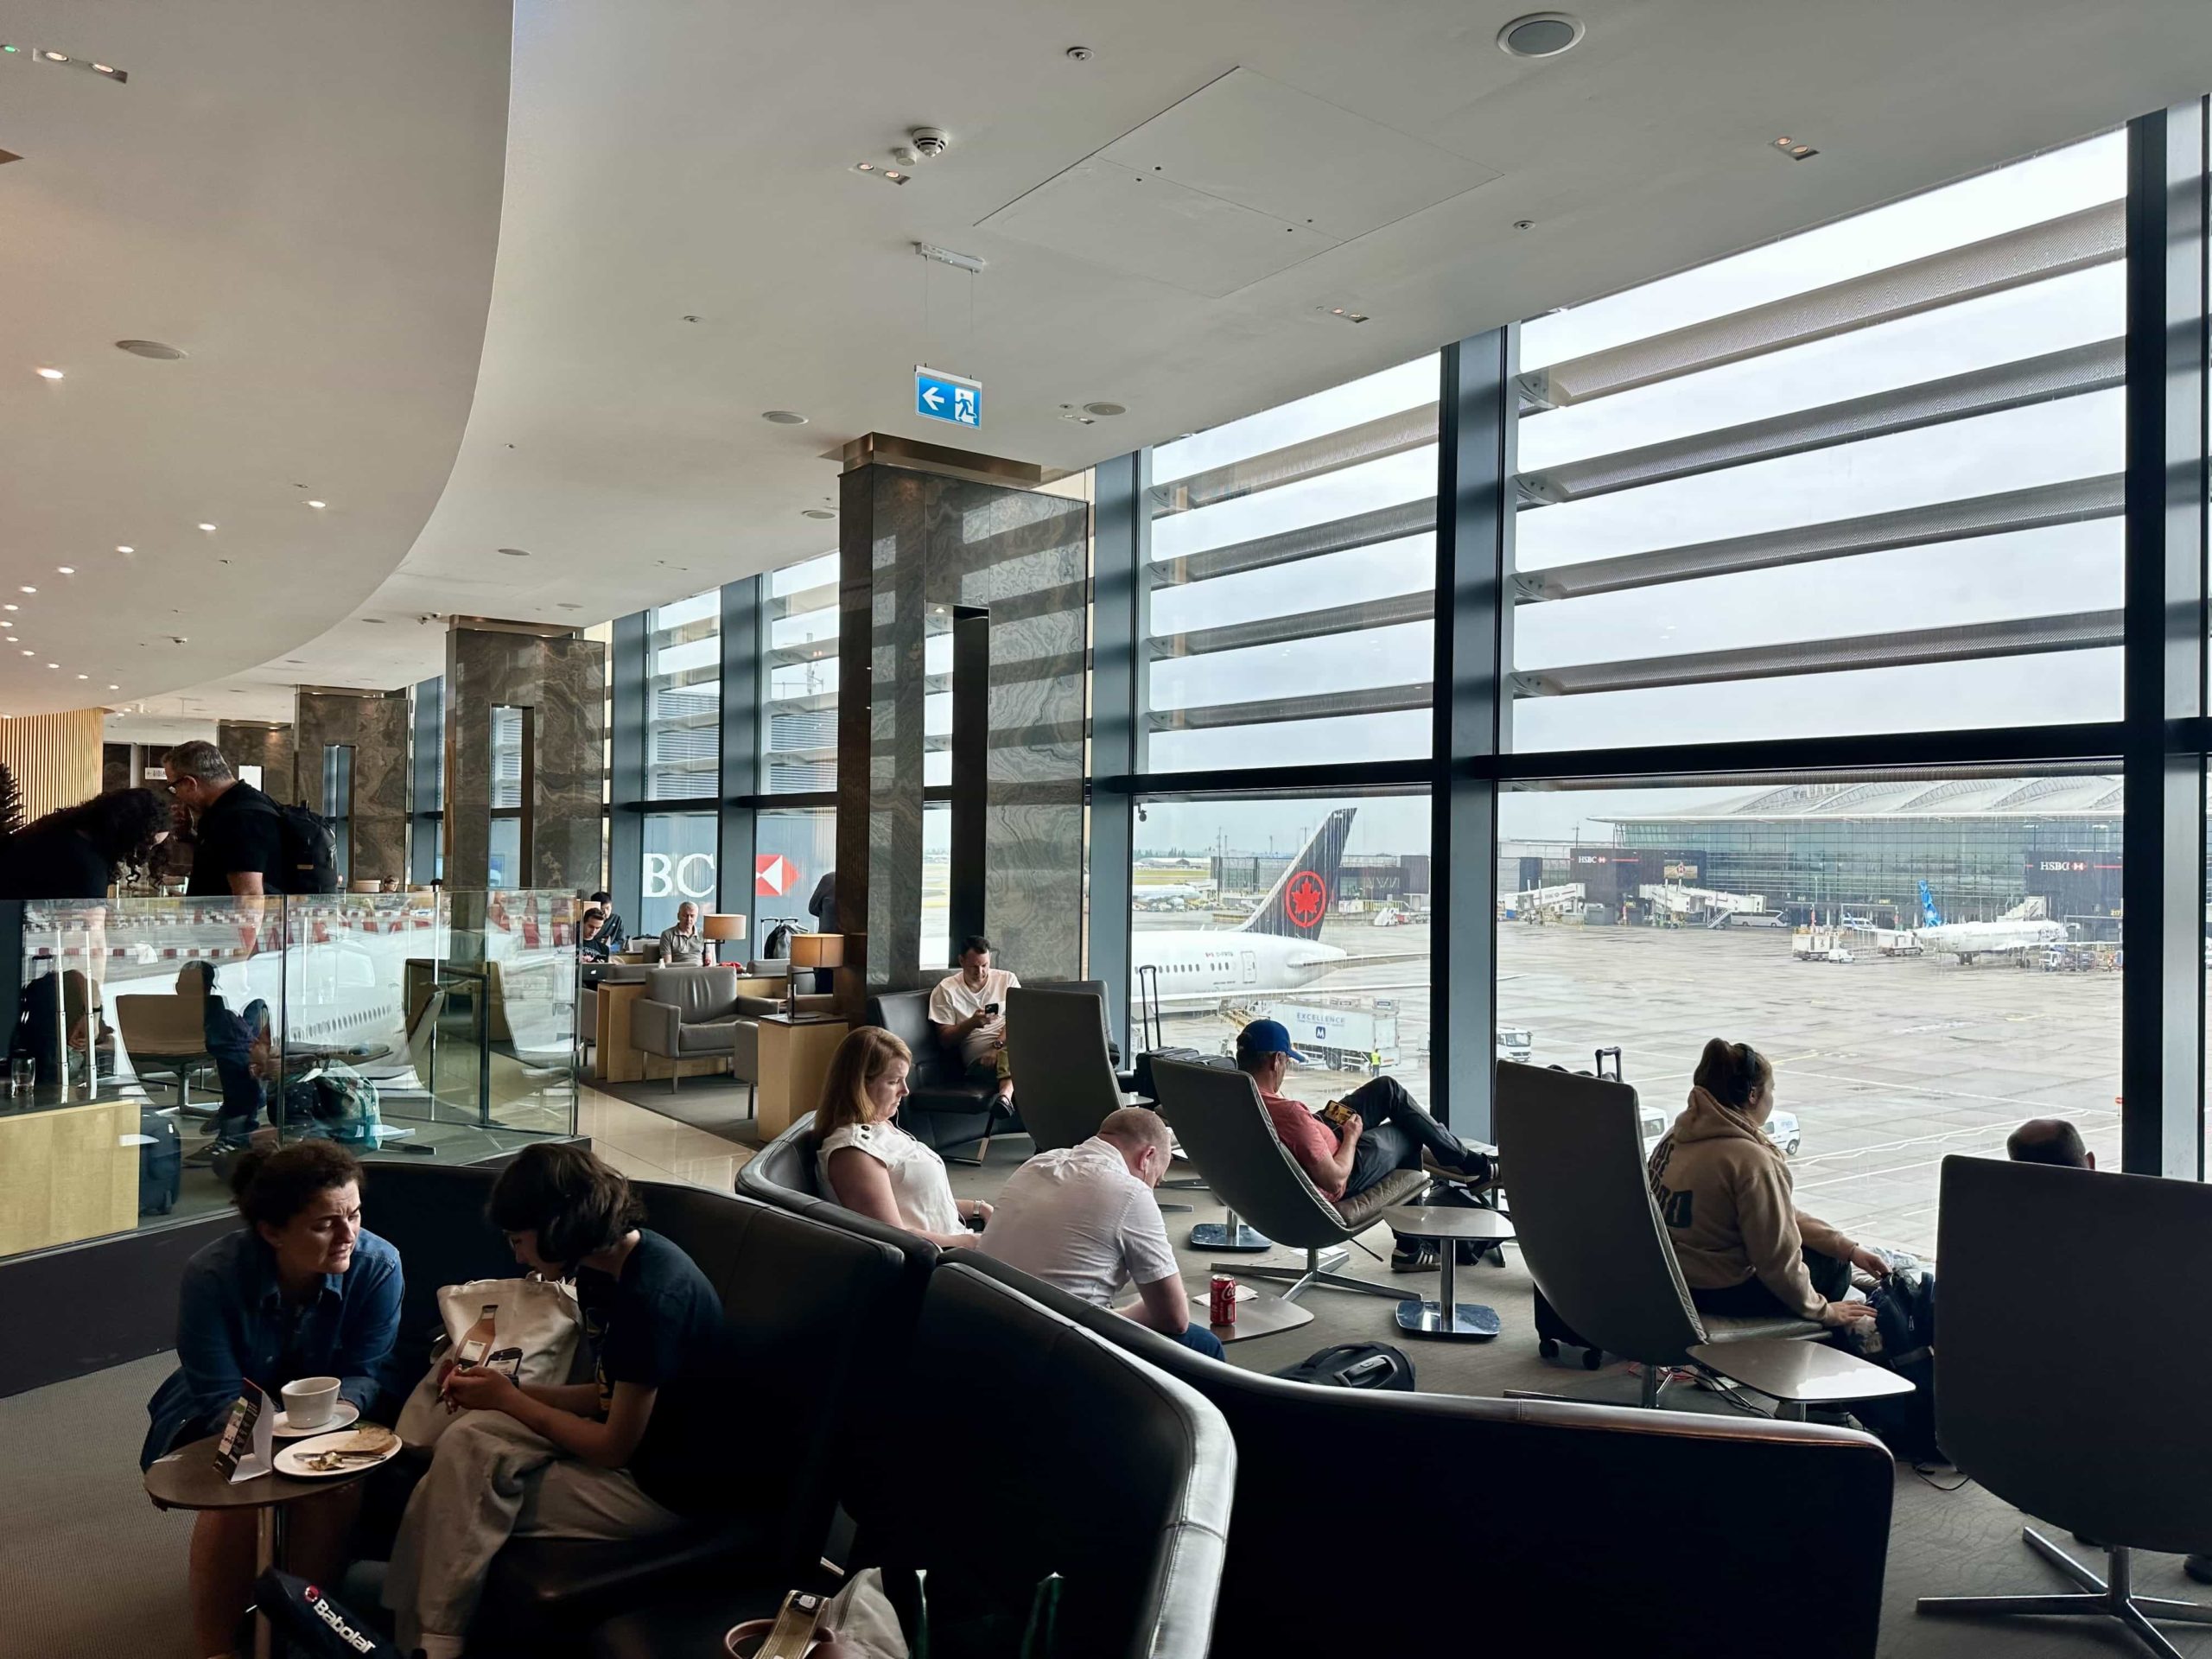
column 1205, row 965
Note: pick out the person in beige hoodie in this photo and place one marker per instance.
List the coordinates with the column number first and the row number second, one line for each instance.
column 1723, row 1189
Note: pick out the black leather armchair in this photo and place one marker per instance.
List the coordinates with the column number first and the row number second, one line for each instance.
column 1130, row 1512
column 816, row 1316
column 943, row 1109
column 1536, row 1529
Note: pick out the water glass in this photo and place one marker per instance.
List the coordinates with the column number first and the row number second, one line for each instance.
column 21, row 1073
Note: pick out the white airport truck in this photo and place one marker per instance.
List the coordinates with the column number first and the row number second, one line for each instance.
column 1343, row 1037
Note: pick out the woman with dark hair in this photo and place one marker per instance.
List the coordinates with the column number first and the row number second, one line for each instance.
column 80, row 851
column 1724, row 1191
column 867, row 1162
column 624, row 1456
column 301, row 1290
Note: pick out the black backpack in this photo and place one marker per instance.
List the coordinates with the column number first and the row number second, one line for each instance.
column 311, row 1623
column 308, row 847
column 1355, row 1366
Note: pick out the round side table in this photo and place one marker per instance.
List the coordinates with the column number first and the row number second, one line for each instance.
column 1446, row 1317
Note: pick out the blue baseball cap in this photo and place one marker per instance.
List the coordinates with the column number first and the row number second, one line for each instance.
column 1265, row 1036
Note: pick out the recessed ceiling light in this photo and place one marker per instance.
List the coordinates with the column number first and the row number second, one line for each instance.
column 152, row 349
column 1106, row 409
column 67, row 569
column 49, row 374
column 31, row 653
column 318, row 504
column 1793, row 149
column 515, row 552
column 115, row 687
column 10, row 607
column 1541, row 35
column 84, row 676
column 815, row 512
column 890, row 175
column 54, row 664
column 208, row 527
column 27, row 590
column 1347, row 314
column 125, row 549
column 784, row 417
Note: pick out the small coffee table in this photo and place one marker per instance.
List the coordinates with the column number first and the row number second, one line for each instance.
column 187, row 1479
column 1446, row 1317
column 1797, row 1375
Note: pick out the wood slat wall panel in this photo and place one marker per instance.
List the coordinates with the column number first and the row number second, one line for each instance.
column 55, row 757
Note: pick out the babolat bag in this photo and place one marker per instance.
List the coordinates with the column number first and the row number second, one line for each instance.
column 310, row 1622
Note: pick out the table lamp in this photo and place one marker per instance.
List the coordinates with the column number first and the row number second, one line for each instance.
column 813, row 950
column 717, row 927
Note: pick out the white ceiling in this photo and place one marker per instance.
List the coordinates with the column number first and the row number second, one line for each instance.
column 667, row 160
column 303, row 197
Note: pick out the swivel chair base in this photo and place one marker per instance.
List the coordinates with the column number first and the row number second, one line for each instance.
column 2114, row 1599
column 1232, row 1234
column 1320, row 1269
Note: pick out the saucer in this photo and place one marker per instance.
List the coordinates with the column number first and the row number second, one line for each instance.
column 342, row 1414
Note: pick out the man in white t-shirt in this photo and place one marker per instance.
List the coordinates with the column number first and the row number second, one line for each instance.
column 1083, row 1220
column 968, row 1010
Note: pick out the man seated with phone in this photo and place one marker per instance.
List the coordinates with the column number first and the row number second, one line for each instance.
column 1354, row 1142
column 967, row 1009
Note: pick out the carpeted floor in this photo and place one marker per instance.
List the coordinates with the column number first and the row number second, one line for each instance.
column 89, row 1569
column 715, row 1104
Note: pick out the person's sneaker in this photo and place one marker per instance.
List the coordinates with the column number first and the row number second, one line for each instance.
column 1415, row 1255
column 1478, row 1173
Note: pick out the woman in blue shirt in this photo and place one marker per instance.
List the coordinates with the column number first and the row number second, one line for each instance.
column 301, row 1290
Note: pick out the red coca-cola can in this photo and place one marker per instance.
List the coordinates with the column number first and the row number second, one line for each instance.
column 1221, row 1302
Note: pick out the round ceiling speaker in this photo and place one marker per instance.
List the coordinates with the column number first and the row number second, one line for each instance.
column 152, row 349
column 1541, row 35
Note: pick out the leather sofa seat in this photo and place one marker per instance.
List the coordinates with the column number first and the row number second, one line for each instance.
column 1130, row 1512
column 815, row 1316
column 1522, row 1490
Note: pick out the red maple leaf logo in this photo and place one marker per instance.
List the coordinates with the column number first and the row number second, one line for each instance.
column 1306, row 897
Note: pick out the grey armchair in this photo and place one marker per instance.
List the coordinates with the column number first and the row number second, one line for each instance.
column 690, row 1013
column 1571, row 1150
column 2100, row 1429
column 1056, row 1041
column 1217, row 1117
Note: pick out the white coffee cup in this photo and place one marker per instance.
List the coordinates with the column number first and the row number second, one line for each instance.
column 311, row 1401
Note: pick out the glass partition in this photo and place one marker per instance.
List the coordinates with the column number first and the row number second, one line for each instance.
column 157, row 1038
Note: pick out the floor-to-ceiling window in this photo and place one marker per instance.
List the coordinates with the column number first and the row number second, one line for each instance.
column 682, row 758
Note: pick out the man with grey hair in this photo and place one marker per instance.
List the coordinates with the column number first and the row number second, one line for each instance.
column 683, row 945
column 1083, row 1220
column 237, row 833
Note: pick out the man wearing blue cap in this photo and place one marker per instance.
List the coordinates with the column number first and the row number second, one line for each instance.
column 1387, row 1129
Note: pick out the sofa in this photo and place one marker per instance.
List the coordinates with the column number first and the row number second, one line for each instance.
column 816, row 1316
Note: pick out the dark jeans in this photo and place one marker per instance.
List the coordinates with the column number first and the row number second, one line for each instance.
column 1199, row 1340
column 1396, row 1132
column 1831, row 1278
column 230, row 1038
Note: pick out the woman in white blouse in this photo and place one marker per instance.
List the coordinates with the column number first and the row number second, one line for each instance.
column 867, row 1162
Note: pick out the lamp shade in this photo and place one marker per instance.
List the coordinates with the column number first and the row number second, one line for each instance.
column 818, row 950
column 720, row 927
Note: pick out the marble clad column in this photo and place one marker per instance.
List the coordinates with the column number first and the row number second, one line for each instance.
column 375, row 724
column 256, row 743
column 561, row 677
column 922, row 529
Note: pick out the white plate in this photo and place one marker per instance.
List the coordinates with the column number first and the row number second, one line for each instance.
column 292, row 1460
column 341, row 1416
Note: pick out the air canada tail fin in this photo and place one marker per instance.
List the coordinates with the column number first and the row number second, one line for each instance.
column 1302, row 897
column 1930, row 916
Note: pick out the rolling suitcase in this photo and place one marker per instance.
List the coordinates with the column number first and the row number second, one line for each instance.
column 160, row 1164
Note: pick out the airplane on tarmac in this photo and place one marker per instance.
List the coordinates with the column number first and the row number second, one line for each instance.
column 1275, row 950
column 1967, row 940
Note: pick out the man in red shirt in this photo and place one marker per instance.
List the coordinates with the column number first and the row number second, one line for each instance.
column 1388, row 1131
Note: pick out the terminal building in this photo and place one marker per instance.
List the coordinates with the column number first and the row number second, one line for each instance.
column 1815, row 851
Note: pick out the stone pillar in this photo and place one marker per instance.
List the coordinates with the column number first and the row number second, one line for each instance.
column 924, row 530
column 560, row 677
column 257, row 743
column 373, row 724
